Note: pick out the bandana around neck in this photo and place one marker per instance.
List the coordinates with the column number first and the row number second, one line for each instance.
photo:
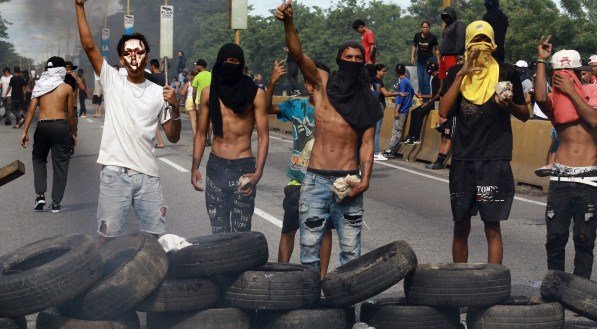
column 49, row 80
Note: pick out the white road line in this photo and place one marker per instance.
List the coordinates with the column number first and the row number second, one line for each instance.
column 539, row 203
column 281, row 139
column 268, row 217
column 174, row 165
column 89, row 120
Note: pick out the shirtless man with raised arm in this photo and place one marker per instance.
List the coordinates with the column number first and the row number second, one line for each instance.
column 56, row 131
column 573, row 188
column 345, row 109
column 134, row 108
column 234, row 105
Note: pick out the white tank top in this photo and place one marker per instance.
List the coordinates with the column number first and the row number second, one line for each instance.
column 190, row 91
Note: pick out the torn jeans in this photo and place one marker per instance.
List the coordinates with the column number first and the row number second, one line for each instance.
column 317, row 209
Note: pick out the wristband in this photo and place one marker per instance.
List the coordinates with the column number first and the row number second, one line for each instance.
column 175, row 119
column 542, row 61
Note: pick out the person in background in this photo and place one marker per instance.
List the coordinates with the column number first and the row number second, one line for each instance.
column 82, row 93
column 258, row 79
column 189, row 104
column 5, row 81
column 401, row 107
column 16, row 89
column 418, row 114
column 98, row 98
column 382, row 92
column 525, row 79
column 499, row 22
column 181, row 65
column 426, row 47
column 593, row 64
column 588, row 77
column 367, row 40
column 201, row 80
column 157, row 77
column 292, row 74
column 452, row 46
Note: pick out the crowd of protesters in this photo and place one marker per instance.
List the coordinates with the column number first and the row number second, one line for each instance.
column 336, row 132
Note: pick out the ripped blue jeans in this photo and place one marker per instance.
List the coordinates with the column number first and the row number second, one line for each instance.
column 317, row 209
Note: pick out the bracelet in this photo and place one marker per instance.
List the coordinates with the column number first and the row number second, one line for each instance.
column 542, row 61
column 175, row 119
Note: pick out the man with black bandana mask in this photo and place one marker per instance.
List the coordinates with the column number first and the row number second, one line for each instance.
column 234, row 105
column 346, row 110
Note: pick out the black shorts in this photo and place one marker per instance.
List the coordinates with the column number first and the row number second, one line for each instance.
column 97, row 100
column 448, row 127
column 292, row 194
column 486, row 187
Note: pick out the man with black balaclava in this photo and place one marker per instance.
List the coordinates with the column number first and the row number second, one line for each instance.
column 452, row 45
column 346, row 111
column 499, row 22
column 234, row 105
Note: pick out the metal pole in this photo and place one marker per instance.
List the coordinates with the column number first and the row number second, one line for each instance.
column 128, row 7
column 237, row 37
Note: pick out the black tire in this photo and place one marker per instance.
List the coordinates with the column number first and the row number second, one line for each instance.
column 133, row 266
column 517, row 312
column 51, row 319
column 218, row 318
column 13, row 323
column 575, row 293
column 219, row 254
column 369, row 274
column 46, row 273
column 275, row 286
column 324, row 318
column 458, row 285
column 181, row 295
column 390, row 313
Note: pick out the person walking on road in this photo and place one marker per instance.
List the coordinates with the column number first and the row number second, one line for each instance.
column 98, row 99
column 201, row 80
column 134, row 108
column 5, row 81
column 301, row 114
column 82, row 93
column 480, row 175
column 16, row 89
column 181, row 65
column 572, row 193
column 234, row 105
column 346, row 115
column 55, row 131
column 186, row 95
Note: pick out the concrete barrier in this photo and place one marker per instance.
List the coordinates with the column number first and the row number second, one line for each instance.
column 531, row 142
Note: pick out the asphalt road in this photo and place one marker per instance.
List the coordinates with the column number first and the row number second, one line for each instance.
column 405, row 202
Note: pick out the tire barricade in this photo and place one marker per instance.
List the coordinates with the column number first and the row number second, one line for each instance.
column 239, row 289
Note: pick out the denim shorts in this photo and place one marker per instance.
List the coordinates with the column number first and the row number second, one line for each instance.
column 318, row 209
column 119, row 190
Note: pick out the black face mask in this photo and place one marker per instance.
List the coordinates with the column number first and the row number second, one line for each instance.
column 230, row 73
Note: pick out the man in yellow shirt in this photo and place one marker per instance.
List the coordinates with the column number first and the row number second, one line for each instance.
column 201, row 80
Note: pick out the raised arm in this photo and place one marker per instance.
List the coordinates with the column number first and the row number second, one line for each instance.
column 278, row 71
column 261, row 121
column 200, row 138
column 543, row 55
column 305, row 64
column 94, row 55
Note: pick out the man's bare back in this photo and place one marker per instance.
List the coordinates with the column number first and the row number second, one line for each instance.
column 335, row 146
column 51, row 105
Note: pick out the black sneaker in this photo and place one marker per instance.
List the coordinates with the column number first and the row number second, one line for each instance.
column 55, row 207
column 435, row 166
column 40, row 202
column 408, row 141
column 390, row 155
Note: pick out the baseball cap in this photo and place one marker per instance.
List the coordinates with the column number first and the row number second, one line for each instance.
column 201, row 62
column 593, row 59
column 521, row 63
column 69, row 63
column 567, row 59
column 55, row 62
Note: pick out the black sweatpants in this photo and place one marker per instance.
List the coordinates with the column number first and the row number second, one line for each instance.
column 292, row 75
column 228, row 209
column 416, row 121
column 51, row 135
column 566, row 201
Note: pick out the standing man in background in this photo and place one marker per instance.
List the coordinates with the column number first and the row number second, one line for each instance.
column 5, row 80
column 368, row 41
column 201, row 80
column 499, row 22
column 425, row 45
column 16, row 89
column 452, row 45
column 182, row 64
column 82, row 93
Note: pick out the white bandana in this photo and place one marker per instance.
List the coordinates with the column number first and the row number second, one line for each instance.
column 49, row 80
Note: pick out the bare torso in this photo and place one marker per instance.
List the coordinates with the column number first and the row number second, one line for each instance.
column 335, row 146
column 578, row 145
column 53, row 105
column 236, row 142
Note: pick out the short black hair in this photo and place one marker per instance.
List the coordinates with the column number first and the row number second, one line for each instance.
column 17, row 69
column 379, row 67
column 322, row 66
column 358, row 23
column 400, row 68
column 6, row 69
column 125, row 38
column 154, row 63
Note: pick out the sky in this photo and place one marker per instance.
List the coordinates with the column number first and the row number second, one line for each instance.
column 37, row 36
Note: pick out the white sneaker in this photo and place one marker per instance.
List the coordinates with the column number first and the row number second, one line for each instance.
column 379, row 157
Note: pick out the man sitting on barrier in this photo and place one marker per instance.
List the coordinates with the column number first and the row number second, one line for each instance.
column 573, row 187
column 480, row 175
column 418, row 114
column 345, row 111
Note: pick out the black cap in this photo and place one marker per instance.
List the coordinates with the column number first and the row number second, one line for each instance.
column 69, row 63
column 201, row 62
column 55, row 62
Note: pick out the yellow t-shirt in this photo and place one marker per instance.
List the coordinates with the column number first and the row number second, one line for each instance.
column 201, row 80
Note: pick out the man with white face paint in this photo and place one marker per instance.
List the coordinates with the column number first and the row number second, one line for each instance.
column 133, row 108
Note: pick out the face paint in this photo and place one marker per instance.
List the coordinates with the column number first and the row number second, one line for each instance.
column 134, row 55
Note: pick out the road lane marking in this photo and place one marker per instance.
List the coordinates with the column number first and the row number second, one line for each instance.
column 268, row 217
column 539, row 203
column 280, row 139
column 172, row 164
column 89, row 120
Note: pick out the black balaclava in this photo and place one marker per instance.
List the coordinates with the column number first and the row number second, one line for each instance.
column 492, row 5
column 236, row 90
column 350, row 94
